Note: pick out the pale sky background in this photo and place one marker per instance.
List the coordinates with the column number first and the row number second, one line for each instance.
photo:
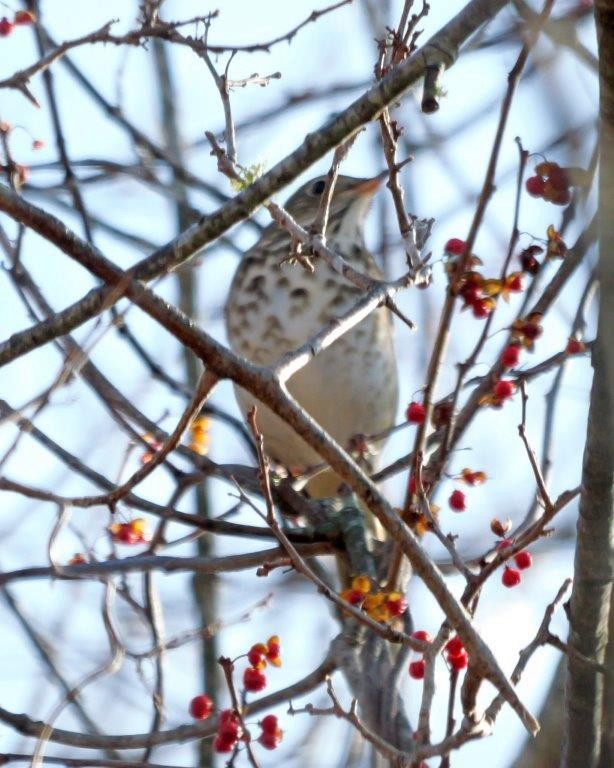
column 338, row 49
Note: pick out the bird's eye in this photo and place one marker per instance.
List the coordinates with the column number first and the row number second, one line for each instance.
column 318, row 187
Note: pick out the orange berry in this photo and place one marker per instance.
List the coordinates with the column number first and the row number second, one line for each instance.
column 361, row 584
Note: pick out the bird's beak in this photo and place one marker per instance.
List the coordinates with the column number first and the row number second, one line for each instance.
column 370, row 186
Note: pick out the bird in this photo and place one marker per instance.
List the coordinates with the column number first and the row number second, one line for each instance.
column 351, row 387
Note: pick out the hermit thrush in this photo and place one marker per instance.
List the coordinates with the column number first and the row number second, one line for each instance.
column 351, row 387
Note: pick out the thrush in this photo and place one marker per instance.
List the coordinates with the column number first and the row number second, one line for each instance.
column 273, row 307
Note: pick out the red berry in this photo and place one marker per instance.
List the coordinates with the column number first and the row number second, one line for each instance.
column 127, row 535
column 504, row 544
column 523, row 559
column 528, row 259
column 397, row 607
column 24, row 17
column 460, row 661
column 575, row 346
column 454, row 646
column 516, row 283
column 415, row 413
column 560, row 197
column 455, row 246
column 256, row 655
column 6, row 27
column 482, row 308
column 354, row 596
column 269, row 723
column 510, row 356
column 511, row 577
column 504, row 389
column 416, row 669
column 532, row 330
column 222, row 744
column 471, row 294
column 558, row 178
column 422, row 634
column 457, row 501
column 229, row 726
column 254, row 679
column 270, row 740
column 535, row 186
column 201, row 707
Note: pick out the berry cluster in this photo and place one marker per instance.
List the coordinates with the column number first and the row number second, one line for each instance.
column 511, row 577
column 551, row 182
column 133, row 532
column 472, row 477
column 458, row 500
column 556, row 248
column 478, row 293
column 259, row 655
column 454, row 652
column 230, row 728
column 378, row 605
column 21, row 18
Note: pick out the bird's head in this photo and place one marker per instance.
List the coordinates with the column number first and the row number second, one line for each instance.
column 348, row 207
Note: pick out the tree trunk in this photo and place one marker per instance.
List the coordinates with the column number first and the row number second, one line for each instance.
column 588, row 691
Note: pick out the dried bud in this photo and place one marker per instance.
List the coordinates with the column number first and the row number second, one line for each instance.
column 499, row 528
